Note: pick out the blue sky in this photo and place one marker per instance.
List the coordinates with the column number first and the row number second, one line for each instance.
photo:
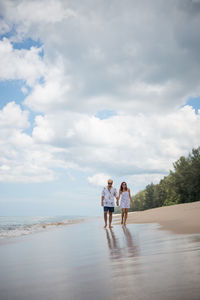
column 195, row 103
column 85, row 99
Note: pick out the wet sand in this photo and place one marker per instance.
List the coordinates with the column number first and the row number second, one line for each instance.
column 86, row 262
column 181, row 218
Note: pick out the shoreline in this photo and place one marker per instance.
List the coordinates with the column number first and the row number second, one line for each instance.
column 180, row 218
column 41, row 228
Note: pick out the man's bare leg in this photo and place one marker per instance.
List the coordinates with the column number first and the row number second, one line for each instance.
column 105, row 218
column 110, row 219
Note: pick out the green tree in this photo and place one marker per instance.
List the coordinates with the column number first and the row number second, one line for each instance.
column 194, row 188
column 149, row 196
column 138, row 201
column 180, row 186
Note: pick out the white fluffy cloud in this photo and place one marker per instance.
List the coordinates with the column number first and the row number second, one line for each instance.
column 21, row 64
column 52, row 93
column 121, row 56
column 21, row 158
column 120, row 146
column 102, row 55
column 99, row 179
column 124, row 144
column 11, row 116
column 28, row 14
column 137, row 147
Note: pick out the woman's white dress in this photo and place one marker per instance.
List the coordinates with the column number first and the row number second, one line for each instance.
column 125, row 200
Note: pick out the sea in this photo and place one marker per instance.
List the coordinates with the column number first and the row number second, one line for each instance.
column 23, row 225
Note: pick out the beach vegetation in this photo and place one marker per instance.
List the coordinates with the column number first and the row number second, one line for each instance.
column 182, row 185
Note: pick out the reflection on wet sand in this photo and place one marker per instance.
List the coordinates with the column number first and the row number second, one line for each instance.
column 113, row 244
column 124, row 252
column 127, row 249
column 131, row 246
column 146, row 264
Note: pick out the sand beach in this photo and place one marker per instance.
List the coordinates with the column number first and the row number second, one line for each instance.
column 181, row 218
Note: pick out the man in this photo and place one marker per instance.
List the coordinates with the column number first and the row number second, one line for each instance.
column 107, row 201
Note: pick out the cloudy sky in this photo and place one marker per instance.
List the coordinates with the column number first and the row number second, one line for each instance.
column 90, row 90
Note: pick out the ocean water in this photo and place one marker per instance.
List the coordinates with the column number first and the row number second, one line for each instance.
column 23, row 225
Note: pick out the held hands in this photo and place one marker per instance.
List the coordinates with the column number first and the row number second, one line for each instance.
column 117, row 202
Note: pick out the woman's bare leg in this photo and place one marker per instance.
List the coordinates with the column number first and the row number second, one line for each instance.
column 125, row 216
column 122, row 215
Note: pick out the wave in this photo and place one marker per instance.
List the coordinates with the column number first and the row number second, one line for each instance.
column 19, row 226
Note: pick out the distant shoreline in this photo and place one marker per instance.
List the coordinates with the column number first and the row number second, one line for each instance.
column 180, row 218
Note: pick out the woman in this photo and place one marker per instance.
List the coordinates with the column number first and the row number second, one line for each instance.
column 125, row 195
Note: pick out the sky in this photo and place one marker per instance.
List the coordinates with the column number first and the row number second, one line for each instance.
column 92, row 90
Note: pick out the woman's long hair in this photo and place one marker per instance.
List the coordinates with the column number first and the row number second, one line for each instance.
column 121, row 187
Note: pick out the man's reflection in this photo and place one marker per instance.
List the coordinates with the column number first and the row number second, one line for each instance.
column 116, row 251
column 113, row 244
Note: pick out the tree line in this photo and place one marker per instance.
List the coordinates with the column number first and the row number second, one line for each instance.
column 180, row 186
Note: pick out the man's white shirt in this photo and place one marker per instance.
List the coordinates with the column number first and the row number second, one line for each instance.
column 109, row 195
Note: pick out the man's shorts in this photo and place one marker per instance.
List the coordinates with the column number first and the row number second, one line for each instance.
column 110, row 209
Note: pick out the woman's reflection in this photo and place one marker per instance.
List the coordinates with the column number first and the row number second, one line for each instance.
column 131, row 246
